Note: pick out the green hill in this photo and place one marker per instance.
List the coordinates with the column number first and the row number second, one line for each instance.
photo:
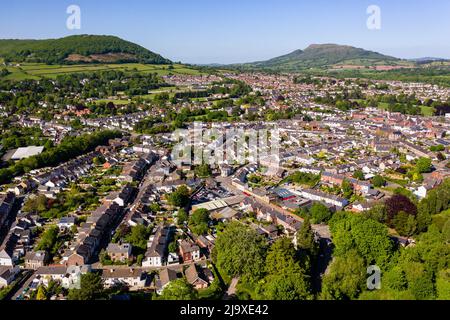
column 323, row 56
column 78, row 49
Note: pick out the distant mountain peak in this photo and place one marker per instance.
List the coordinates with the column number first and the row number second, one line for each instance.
column 322, row 46
column 323, row 55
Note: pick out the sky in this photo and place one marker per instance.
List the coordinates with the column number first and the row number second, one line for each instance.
column 235, row 31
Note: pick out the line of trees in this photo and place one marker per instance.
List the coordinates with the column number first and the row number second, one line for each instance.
column 69, row 148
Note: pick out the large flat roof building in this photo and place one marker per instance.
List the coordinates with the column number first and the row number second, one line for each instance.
column 23, row 153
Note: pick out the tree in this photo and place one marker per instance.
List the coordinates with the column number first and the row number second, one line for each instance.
column 240, row 251
column 319, row 213
column 138, row 236
column 423, row 165
column 48, row 239
column 91, row 288
column 377, row 213
column 280, row 256
column 405, row 224
column 173, row 247
column 98, row 161
column 306, row 242
column 358, row 174
column 423, row 218
column 443, row 285
column 180, row 197
column 155, row 207
column 398, row 203
column 291, row 285
column 41, row 293
column 4, row 72
column 437, row 200
column 198, row 222
column 378, row 181
column 179, row 289
column 182, row 217
column 36, row 204
column 395, row 279
column 203, row 171
column 346, row 277
column 441, row 157
column 423, row 287
column 347, row 189
column 285, row 278
column 303, row 178
column 105, row 259
column 368, row 237
column 446, row 231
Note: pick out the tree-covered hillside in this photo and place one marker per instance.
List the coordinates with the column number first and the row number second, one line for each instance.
column 76, row 49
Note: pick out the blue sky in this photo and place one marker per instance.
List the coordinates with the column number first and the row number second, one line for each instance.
column 208, row 31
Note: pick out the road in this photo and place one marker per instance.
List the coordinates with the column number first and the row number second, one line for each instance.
column 24, row 282
column 145, row 183
column 232, row 288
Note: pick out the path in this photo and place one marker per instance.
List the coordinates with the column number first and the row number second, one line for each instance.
column 232, row 288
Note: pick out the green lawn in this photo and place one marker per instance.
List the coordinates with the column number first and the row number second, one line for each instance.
column 39, row 70
column 426, row 111
column 383, row 105
column 116, row 102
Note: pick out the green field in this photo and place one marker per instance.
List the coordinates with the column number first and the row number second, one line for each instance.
column 37, row 71
column 383, row 105
column 116, row 102
column 426, row 111
column 170, row 90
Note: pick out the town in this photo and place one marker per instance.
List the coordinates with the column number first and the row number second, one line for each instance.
column 92, row 193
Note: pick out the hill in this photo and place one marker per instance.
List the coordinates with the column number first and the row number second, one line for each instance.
column 427, row 59
column 324, row 56
column 78, row 49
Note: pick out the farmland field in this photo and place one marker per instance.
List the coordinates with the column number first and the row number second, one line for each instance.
column 39, row 71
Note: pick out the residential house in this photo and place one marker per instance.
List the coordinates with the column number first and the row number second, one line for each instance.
column 72, row 278
column 66, row 223
column 8, row 275
column 165, row 277
column 6, row 258
column 324, row 197
column 6, row 204
column 155, row 255
column 189, row 251
column 35, row 260
column 133, row 278
column 119, row 252
column 194, row 278
column 51, row 273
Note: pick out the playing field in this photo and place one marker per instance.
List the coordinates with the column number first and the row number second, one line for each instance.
column 38, row 71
